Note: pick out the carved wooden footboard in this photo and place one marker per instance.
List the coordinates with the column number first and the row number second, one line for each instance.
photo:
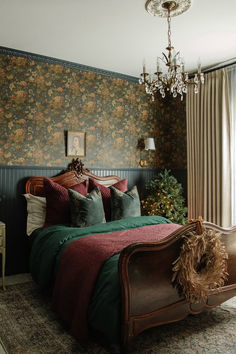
column 148, row 296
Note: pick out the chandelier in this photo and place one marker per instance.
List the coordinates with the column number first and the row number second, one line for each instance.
column 175, row 80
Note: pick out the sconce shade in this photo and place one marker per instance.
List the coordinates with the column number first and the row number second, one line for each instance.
column 150, row 144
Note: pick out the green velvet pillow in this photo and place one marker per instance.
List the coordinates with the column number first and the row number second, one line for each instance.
column 124, row 204
column 86, row 211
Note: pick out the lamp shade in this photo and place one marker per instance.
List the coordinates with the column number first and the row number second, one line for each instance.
column 150, row 144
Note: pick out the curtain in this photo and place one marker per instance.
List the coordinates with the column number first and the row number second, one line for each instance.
column 231, row 70
column 208, row 150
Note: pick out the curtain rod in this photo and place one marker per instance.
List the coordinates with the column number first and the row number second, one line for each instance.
column 221, row 65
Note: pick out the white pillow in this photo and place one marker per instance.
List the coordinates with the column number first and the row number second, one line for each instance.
column 36, row 209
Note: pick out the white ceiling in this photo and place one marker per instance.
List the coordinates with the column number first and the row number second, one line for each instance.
column 117, row 35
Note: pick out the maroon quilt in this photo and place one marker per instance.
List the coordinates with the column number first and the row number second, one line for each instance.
column 80, row 265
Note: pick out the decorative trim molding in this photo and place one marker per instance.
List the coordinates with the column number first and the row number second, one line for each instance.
column 63, row 168
column 69, row 64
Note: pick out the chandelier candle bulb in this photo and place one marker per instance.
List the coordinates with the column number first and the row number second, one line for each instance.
column 144, row 66
column 199, row 68
column 173, row 57
column 174, row 61
column 158, row 65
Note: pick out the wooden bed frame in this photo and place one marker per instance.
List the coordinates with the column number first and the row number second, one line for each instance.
column 148, row 296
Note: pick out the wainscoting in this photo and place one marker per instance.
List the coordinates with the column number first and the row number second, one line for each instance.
column 13, row 205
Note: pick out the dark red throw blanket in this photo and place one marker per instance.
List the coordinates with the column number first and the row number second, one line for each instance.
column 80, row 265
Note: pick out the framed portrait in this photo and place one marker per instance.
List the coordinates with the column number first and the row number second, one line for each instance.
column 76, row 143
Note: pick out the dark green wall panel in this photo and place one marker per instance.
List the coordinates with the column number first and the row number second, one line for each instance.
column 13, row 205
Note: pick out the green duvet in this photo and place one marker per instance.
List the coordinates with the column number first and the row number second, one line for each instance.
column 48, row 246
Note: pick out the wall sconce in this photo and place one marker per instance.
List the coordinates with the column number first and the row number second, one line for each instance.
column 147, row 144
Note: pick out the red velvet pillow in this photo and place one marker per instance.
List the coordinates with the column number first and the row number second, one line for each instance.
column 106, row 194
column 57, row 201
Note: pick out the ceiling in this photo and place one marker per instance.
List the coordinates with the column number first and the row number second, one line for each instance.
column 117, row 35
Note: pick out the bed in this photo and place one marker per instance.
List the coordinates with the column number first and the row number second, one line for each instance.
column 136, row 283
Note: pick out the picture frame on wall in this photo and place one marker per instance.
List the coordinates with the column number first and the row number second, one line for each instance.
column 76, row 142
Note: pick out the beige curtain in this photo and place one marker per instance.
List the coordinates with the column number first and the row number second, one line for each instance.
column 208, row 150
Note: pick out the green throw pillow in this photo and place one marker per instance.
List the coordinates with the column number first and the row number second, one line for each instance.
column 86, row 211
column 124, row 204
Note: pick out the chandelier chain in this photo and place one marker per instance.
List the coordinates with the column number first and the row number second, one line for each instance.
column 169, row 29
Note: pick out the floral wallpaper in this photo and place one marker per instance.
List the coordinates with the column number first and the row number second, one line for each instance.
column 40, row 102
column 171, row 139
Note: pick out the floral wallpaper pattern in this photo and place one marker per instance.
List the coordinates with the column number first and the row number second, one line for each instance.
column 40, row 102
column 171, row 139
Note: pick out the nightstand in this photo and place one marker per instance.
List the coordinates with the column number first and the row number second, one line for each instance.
column 3, row 250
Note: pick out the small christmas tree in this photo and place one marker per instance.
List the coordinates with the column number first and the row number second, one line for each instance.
column 164, row 198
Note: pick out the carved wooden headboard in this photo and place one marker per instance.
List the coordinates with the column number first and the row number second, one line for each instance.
column 75, row 173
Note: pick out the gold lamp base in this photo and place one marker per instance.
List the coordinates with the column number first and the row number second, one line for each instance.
column 143, row 163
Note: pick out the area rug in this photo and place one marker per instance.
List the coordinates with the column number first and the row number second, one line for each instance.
column 27, row 325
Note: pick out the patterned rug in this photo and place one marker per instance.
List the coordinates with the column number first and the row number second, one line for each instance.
column 27, row 325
